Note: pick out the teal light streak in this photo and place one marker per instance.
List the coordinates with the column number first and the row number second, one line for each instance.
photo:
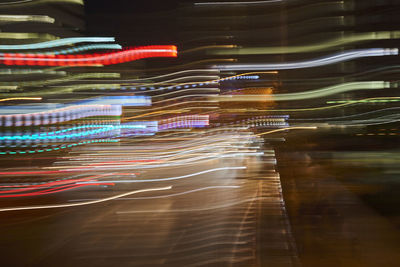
column 56, row 43
column 61, row 147
column 53, row 135
column 83, row 48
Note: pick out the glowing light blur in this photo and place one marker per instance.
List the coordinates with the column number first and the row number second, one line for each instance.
column 339, row 57
column 91, row 59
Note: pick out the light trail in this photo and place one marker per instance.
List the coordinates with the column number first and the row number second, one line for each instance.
column 45, row 136
column 50, row 183
column 59, row 42
column 215, row 90
column 63, row 90
column 89, row 59
column 352, row 102
column 84, row 203
column 27, row 35
column 52, row 190
column 210, row 143
column 340, row 41
column 182, row 176
column 198, row 62
column 36, row 2
column 346, row 117
column 172, row 81
column 318, row 93
column 368, row 122
column 200, row 83
column 173, row 195
column 66, row 146
column 205, row 47
column 58, row 115
column 20, row 98
column 185, row 96
column 83, row 48
column 335, row 58
column 288, row 128
column 49, row 71
column 182, row 103
column 197, row 142
column 176, row 73
column 19, row 18
column 68, row 78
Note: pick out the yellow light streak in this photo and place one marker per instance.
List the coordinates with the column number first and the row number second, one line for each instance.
column 288, row 128
column 20, row 98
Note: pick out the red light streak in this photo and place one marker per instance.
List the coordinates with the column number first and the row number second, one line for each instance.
column 45, row 172
column 39, row 186
column 89, row 59
column 49, row 187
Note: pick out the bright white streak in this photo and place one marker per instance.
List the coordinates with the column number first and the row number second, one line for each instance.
column 86, row 202
column 336, row 58
column 179, row 177
column 172, row 195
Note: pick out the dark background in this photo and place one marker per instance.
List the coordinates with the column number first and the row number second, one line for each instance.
column 134, row 22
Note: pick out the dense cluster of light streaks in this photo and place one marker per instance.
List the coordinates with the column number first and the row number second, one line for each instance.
column 180, row 146
column 184, row 152
column 169, row 178
column 192, row 150
column 198, row 156
column 172, row 195
column 57, row 115
column 183, row 155
column 63, row 134
column 128, row 165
